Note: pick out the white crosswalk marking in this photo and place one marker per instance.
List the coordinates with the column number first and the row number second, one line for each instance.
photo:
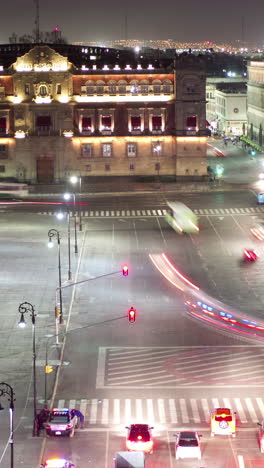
column 240, row 410
column 206, row 410
column 261, row 406
column 71, row 404
column 163, row 411
column 93, row 411
column 173, row 413
column 105, row 411
column 251, row 410
column 150, row 411
column 215, row 403
column 161, row 408
column 162, row 212
column 139, row 411
column 185, row 417
column 127, row 410
column 116, row 411
column 196, row 416
column 83, row 406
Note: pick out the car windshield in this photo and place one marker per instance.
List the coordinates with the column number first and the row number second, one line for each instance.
column 188, row 443
column 139, row 433
column 59, row 418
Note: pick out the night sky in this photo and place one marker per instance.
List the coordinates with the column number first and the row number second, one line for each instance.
column 188, row 21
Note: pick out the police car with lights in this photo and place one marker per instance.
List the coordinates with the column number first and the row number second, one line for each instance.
column 61, row 422
column 57, row 463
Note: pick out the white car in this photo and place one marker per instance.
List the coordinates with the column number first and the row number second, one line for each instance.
column 187, row 445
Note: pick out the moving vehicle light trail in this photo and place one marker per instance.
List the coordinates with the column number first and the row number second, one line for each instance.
column 205, row 308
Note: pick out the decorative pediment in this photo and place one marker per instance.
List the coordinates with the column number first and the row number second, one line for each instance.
column 42, row 59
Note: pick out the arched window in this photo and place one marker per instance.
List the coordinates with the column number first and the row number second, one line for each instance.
column 156, row 86
column 122, row 84
column 43, row 90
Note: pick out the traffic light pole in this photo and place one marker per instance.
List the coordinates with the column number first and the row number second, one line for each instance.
column 60, row 288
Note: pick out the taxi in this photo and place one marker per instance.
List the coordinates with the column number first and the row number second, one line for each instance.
column 223, row 422
column 57, row 463
column 61, row 422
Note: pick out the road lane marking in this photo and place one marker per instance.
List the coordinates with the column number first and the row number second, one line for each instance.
column 185, row 417
column 240, row 410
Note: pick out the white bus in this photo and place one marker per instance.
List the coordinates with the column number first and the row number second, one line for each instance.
column 13, row 190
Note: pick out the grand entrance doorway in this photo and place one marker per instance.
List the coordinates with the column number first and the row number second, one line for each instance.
column 45, row 170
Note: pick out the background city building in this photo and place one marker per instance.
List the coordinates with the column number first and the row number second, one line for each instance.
column 100, row 112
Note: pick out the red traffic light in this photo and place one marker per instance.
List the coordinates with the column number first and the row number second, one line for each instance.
column 125, row 270
column 132, row 315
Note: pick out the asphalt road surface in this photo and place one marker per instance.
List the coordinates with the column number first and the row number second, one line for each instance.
column 162, row 368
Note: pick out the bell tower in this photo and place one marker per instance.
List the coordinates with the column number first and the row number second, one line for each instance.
column 190, row 116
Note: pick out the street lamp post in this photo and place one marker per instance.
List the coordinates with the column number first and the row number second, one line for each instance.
column 74, row 180
column 67, row 196
column 6, row 389
column 60, row 215
column 157, row 150
column 54, row 233
column 23, row 309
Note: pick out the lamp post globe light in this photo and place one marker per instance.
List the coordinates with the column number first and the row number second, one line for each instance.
column 55, row 233
column 60, row 216
column 67, row 197
column 23, row 309
column 6, row 389
column 74, row 179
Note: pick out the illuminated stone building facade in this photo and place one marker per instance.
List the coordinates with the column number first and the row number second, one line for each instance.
column 66, row 110
column 255, row 96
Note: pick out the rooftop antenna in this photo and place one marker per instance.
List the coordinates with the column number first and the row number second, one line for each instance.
column 37, row 22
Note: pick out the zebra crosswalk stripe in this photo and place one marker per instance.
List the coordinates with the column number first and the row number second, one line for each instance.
column 164, row 411
column 162, row 212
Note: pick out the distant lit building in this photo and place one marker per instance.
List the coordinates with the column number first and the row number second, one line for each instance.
column 99, row 112
column 226, row 107
column 256, row 101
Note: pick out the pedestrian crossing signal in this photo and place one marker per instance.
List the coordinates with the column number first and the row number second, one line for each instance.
column 48, row 369
column 125, row 270
column 132, row 315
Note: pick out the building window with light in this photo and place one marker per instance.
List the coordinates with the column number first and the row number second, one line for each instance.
column 144, row 89
column 90, row 90
column 157, row 148
column 112, row 89
column 131, row 150
column 87, row 150
column 43, row 124
column 122, row 87
column 3, row 152
column 3, row 129
column 191, row 124
column 43, row 90
column 135, row 123
column 100, row 90
column 167, row 87
column 107, row 150
column 2, row 168
column 106, row 123
column 86, row 125
column 156, row 121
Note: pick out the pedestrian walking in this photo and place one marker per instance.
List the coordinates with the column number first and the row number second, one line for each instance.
column 80, row 416
column 42, row 417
